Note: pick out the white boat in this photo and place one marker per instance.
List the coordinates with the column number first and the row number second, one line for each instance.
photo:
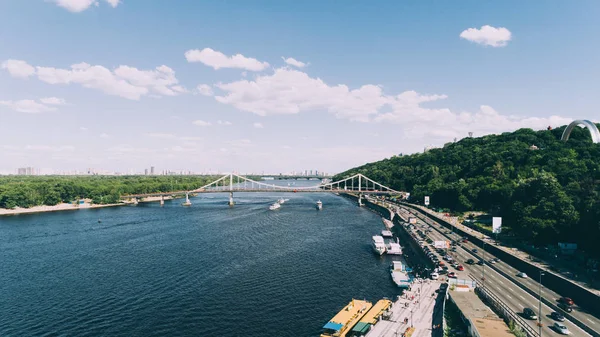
column 386, row 234
column 281, row 201
column 400, row 275
column 378, row 244
column 274, row 206
column 393, row 248
column 388, row 224
column 319, row 205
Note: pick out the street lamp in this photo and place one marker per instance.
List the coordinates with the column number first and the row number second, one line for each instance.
column 411, row 321
column 540, row 306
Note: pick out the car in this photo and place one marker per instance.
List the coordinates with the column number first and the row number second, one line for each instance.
column 434, row 276
column 443, row 286
column 496, row 259
column 455, row 264
column 474, row 250
column 470, row 261
column 452, row 274
column 441, row 264
column 480, row 262
column 557, row 316
column 565, row 307
column 566, row 300
column 522, row 275
column 460, row 267
column 443, row 271
column 492, row 261
column 529, row 313
column 465, row 240
column 449, row 258
column 561, row 328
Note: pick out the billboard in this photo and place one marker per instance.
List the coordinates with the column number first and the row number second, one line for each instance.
column 441, row 244
column 426, row 200
column 496, row 224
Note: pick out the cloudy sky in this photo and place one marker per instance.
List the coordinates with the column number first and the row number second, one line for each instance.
column 277, row 86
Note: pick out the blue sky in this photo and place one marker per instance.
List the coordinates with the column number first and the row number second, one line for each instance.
column 106, row 84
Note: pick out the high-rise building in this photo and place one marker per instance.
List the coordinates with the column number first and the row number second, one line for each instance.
column 25, row 171
column 152, row 170
column 145, row 172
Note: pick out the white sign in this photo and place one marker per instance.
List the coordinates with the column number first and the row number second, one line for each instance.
column 496, row 224
column 441, row 244
column 427, row 201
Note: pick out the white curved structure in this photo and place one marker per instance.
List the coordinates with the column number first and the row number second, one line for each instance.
column 589, row 125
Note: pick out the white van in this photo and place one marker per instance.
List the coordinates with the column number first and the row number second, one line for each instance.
column 434, row 276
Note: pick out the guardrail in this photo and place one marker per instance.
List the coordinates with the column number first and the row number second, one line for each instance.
column 505, row 312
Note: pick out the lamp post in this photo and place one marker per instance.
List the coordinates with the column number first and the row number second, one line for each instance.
column 483, row 278
column 540, row 306
column 411, row 320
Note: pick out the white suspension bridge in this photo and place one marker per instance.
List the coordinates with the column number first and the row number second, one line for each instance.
column 357, row 184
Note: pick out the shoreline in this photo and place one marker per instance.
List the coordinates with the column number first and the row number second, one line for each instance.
column 68, row 207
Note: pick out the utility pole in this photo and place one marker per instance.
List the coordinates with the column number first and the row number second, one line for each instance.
column 540, row 306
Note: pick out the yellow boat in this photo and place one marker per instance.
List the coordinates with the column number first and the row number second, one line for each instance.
column 340, row 324
column 371, row 317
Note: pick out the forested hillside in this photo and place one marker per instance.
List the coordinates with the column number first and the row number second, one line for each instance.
column 28, row 191
column 544, row 195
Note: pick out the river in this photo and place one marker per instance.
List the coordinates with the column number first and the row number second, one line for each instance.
column 205, row 270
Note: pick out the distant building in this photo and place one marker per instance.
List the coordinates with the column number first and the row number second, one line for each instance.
column 152, row 170
column 25, row 171
column 145, row 172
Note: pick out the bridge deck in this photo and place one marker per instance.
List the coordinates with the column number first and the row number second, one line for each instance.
column 247, row 190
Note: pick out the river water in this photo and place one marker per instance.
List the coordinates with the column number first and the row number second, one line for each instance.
column 204, row 270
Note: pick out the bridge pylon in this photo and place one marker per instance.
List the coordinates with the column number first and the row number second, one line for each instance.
column 231, row 203
column 360, row 199
column 187, row 200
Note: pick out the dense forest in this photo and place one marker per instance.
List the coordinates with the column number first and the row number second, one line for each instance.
column 28, row 191
column 546, row 190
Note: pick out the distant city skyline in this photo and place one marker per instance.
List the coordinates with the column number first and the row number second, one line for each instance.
column 273, row 86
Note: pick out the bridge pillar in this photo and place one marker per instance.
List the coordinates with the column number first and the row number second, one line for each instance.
column 187, row 200
column 360, row 199
column 231, row 203
column 135, row 201
column 162, row 200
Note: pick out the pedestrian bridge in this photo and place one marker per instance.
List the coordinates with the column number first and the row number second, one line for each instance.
column 233, row 183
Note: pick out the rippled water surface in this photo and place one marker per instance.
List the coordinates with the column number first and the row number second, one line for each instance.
column 204, row 270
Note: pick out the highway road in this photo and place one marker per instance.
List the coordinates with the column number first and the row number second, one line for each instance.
column 511, row 294
column 531, row 282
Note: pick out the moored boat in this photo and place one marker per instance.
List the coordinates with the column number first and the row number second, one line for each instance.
column 400, row 274
column 393, row 248
column 274, row 206
column 371, row 317
column 319, row 205
column 386, row 233
column 378, row 244
column 340, row 324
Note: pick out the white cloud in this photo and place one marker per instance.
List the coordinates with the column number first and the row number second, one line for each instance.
column 82, row 128
column 293, row 62
column 18, row 68
column 218, row 60
column 201, row 123
column 27, row 105
column 205, row 89
column 290, row 91
column 487, row 36
column 104, row 135
column 53, row 101
column 46, row 148
column 77, row 6
column 258, row 125
column 124, row 81
column 220, row 122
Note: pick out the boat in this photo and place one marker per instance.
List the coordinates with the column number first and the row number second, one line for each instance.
column 386, row 233
column 400, row 274
column 274, row 206
column 319, row 205
column 281, row 201
column 378, row 244
column 343, row 321
column 371, row 317
column 388, row 224
column 393, row 248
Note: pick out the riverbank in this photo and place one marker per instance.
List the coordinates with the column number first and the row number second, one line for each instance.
column 54, row 208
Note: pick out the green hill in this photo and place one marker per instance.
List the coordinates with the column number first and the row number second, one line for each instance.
column 545, row 195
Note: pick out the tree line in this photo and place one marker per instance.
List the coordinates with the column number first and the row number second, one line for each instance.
column 28, row 191
column 546, row 190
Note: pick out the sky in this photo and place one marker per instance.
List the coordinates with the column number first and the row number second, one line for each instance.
column 281, row 86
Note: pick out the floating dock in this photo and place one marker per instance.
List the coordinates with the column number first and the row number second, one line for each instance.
column 340, row 324
column 371, row 317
